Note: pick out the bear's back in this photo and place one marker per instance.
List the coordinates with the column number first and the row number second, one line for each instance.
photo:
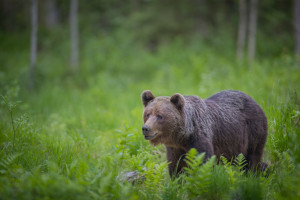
column 236, row 99
column 237, row 104
column 237, row 118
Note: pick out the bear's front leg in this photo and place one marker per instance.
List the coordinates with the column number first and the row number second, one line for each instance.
column 175, row 157
column 202, row 145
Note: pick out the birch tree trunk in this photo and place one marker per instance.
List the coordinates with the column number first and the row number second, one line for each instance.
column 33, row 45
column 52, row 14
column 252, row 30
column 297, row 26
column 242, row 29
column 74, row 35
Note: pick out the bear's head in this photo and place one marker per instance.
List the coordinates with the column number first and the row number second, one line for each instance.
column 163, row 118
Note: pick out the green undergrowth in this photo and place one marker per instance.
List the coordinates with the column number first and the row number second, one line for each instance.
column 77, row 136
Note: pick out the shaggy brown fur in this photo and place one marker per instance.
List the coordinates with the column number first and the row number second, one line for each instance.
column 225, row 124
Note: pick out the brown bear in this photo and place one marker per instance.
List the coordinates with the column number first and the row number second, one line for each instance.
column 225, row 124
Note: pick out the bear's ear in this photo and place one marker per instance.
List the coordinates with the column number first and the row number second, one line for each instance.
column 147, row 96
column 178, row 101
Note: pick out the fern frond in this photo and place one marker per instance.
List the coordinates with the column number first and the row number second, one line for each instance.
column 240, row 161
column 6, row 163
column 224, row 161
column 193, row 160
column 198, row 175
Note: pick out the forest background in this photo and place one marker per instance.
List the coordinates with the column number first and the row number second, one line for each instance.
column 71, row 75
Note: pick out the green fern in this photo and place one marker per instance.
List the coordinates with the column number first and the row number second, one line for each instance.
column 198, row 177
column 7, row 162
column 229, row 169
column 154, row 179
column 193, row 160
column 240, row 162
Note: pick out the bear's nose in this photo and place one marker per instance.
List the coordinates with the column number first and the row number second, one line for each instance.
column 145, row 129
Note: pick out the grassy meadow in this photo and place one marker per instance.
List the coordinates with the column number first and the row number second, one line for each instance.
column 78, row 135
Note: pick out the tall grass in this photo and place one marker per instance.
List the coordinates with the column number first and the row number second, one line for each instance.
column 78, row 136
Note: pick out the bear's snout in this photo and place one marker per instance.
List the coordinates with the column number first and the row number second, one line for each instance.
column 145, row 129
column 148, row 134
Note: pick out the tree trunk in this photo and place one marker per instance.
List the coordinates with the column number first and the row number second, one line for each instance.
column 252, row 30
column 74, row 35
column 297, row 26
column 242, row 29
column 33, row 45
column 52, row 15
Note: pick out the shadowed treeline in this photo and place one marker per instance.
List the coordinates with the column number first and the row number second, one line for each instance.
column 249, row 27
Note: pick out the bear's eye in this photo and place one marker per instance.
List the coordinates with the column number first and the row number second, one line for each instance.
column 147, row 116
column 159, row 117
